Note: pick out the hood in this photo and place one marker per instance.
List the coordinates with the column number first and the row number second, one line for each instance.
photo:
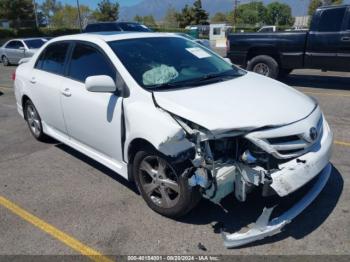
column 248, row 102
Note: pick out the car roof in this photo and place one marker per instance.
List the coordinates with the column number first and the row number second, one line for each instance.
column 23, row 39
column 111, row 36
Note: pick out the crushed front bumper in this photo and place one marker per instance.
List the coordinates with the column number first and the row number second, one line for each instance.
column 264, row 227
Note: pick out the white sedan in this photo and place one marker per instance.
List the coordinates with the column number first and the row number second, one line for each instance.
column 181, row 126
column 16, row 49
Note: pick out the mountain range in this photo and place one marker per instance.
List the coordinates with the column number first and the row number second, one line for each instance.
column 158, row 8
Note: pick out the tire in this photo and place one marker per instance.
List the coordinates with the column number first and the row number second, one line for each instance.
column 34, row 121
column 161, row 185
column 5, row 61
column 284, row 72
column 264, row 65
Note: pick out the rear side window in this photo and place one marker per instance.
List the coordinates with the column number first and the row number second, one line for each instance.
column 14, row 45
column 331, row 20
column 89, row 61
column 52, row 59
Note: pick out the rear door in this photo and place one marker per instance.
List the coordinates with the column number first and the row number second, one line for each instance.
column 14, row 51
column 344, row 46
column 324, row 40
column 46, row 85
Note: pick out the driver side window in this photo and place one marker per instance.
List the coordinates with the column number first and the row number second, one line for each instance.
column 89, row 61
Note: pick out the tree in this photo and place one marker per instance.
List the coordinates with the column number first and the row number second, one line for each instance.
column 170, row 19
column 138, row 19
column 149, row 21
column 107, row 11
column 314, row 4
column 199, row 14
column 67, row 16
column 186, row 17
column 49, row 8
column 252, row 13
column 17, row 12
column 219, row 17
column 279, row 14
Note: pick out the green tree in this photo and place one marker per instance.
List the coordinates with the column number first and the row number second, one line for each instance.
column 186, row 17
column 138, row 19
column 49, row 8
column 251, row 13
column 199, row 14
column 219, row 17
column 314, row 4
column 149, row 21
column 107, row 11
column 18, row 12
column 170, row 19
column 68, row 17
column 279, row 14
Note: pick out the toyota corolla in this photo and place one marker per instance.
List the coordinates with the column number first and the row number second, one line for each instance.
column 179, row 121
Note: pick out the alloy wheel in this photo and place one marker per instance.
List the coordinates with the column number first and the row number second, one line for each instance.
column 159, row 181
column 33, row 120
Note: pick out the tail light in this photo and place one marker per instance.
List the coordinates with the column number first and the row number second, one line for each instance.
column 13, row 75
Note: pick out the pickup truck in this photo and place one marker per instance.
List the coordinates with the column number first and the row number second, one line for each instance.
column 325, row 46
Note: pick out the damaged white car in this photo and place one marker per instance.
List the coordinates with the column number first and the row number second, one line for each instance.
column 179, row 120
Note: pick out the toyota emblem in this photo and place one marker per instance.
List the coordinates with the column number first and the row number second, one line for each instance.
column 313, row 133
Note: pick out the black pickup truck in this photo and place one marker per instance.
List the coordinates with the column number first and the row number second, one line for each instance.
column 325, row 46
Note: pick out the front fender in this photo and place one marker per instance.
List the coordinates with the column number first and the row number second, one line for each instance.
column 145, row 121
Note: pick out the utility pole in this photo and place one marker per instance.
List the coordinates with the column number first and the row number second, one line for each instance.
column 235, row 5
column 36, row 15
column 80, row 25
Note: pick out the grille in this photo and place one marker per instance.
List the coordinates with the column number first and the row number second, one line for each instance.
column 294, row 145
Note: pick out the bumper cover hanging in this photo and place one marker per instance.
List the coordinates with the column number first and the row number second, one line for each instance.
column 263, row 227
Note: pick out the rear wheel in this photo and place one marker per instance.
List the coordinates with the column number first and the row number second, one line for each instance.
column 162, row 186
column 264, row 65
column 5, row 61
column 34, row 121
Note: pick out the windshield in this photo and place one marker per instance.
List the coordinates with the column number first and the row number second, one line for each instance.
column 34, row 43
column 170, row 62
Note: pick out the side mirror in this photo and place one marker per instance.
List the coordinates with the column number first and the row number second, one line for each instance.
column 22, row 48
column 100, row 84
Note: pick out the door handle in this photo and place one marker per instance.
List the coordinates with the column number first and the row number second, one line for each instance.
column 32, row 80
column 66, row 92
column 345, row 39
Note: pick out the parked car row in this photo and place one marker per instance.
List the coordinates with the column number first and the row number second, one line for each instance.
column 16, row 49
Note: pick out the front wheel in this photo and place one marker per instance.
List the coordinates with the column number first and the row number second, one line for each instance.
column 162, row 186
column 264, row 65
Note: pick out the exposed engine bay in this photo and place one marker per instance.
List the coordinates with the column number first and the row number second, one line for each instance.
column 275, row 160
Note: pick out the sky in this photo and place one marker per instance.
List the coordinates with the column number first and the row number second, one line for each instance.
column 93, row 3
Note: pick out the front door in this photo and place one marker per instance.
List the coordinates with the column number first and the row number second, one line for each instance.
column 92, row 119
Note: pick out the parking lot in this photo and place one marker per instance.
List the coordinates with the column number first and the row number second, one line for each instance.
column 55, row 201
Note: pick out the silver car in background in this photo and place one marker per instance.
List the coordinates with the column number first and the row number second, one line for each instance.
column 16, row 49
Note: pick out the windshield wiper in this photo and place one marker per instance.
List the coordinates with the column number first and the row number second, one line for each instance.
column 169, row 85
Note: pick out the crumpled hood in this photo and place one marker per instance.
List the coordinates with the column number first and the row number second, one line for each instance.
column 248, row 102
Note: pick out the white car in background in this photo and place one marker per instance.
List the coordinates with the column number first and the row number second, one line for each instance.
column 16, row 49
column 182, row 126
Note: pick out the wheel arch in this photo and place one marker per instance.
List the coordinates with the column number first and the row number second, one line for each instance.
column 135, row 146
column 25, row 98
column 263, row 50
